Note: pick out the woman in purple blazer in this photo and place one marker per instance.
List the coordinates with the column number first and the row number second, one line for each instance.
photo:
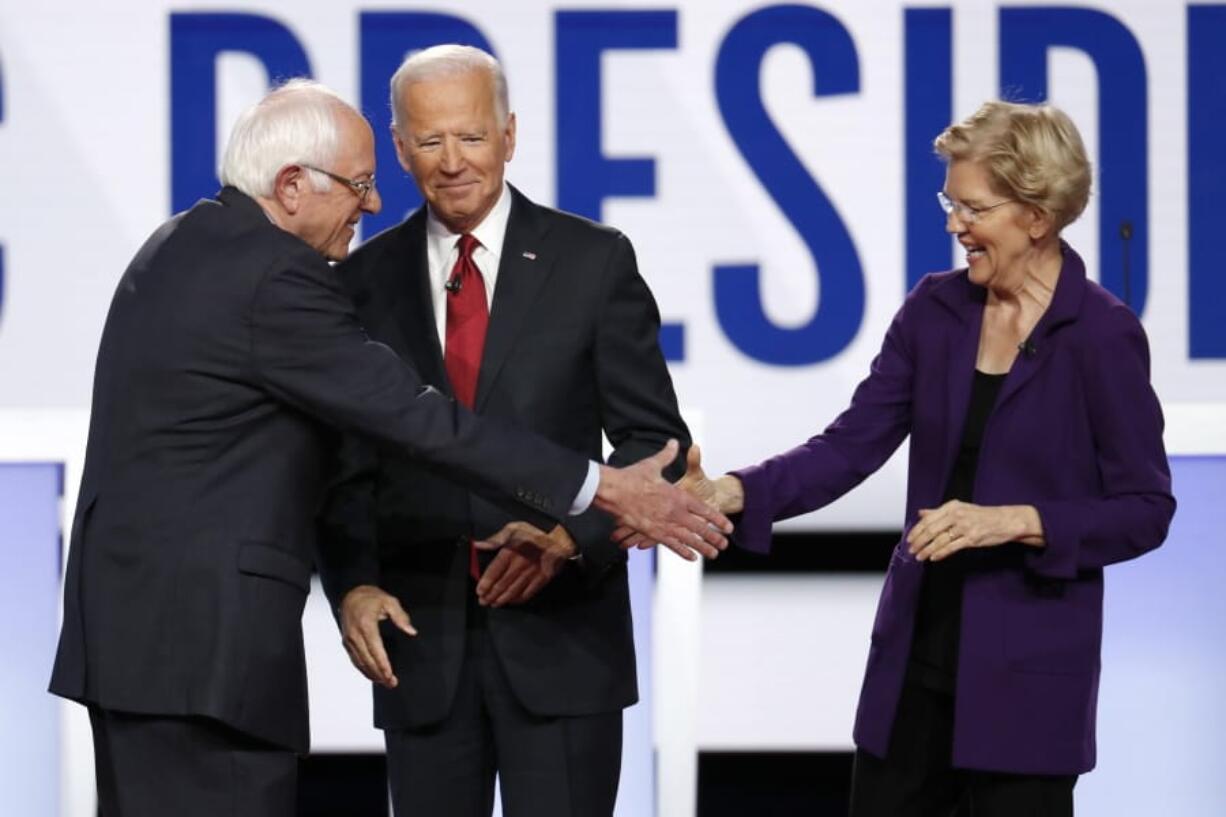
column 1036, row 459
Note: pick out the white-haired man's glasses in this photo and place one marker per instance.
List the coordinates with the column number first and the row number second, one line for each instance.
column 360, row 187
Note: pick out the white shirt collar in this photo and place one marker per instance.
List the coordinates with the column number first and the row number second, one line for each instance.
column 441, row 254
column 491, row 232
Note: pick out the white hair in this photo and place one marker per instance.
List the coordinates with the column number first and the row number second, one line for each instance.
column 448, row 61
column 295, row 124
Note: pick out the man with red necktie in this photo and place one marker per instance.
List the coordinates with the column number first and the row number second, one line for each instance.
column 524, row 658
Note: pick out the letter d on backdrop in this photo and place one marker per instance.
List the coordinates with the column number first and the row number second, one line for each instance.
column 196, row 40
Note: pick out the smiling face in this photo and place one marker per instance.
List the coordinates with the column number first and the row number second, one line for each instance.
column 453, row 145
column 999, row 240
column 326, row 219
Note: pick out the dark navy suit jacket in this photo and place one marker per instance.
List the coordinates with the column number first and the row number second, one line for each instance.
column 229, row 356
column 1076, row 432
column 572, row 353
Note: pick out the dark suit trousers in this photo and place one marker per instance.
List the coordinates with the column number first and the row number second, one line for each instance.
column 916, row 778
column 154, row 766
column 546, row 766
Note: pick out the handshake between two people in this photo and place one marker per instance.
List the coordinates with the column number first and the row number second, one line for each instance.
column 688, row 518
column 723, row 495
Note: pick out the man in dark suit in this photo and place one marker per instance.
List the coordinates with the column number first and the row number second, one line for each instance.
column 228, row 353
column 524, row 674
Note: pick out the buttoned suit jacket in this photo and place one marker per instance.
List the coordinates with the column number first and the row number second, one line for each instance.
column 572, row 352
column 228, row 354
column 1076, row 432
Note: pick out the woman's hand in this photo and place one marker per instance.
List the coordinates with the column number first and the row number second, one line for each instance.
column 956, row 525
column 725, row 494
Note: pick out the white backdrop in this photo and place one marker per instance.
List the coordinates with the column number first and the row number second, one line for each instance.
column 87, row 163
column 86, row 166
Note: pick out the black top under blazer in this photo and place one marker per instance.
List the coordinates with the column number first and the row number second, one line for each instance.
column 229, row 353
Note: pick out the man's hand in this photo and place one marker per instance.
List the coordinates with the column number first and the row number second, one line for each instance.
column 640, row 499
column 361, row 611
column 725, row 494
column 527, row 561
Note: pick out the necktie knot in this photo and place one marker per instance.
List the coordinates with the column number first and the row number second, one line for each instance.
column 467, row 243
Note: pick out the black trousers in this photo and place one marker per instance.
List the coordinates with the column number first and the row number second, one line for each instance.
column 546, row 766
column 916, row 778
column 155, row 766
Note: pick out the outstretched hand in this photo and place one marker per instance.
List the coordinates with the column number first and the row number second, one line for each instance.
column 695, row 481
column 640, row 499
column 723, row 494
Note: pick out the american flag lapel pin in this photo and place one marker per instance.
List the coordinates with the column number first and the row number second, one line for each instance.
column 531, row 256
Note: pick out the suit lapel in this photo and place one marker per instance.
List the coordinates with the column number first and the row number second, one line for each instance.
column 962, row 347
column 407, row 317
column 1065, row 304
column 966, row 301
column 526, row 263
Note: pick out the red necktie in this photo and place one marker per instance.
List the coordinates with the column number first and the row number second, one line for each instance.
column 468, row 316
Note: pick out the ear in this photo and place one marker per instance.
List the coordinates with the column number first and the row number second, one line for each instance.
column 1039, row 223
column 508, row 136
column 289, row 187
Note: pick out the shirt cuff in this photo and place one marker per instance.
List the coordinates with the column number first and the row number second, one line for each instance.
column 583, row 499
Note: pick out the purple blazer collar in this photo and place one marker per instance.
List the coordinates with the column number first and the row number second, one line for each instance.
column 965, row 301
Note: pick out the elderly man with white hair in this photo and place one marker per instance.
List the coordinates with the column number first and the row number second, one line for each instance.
column 229, row 357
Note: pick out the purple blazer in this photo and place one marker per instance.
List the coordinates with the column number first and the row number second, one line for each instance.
column 1076, row 432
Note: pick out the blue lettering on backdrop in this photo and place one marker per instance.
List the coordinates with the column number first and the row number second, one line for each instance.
column 386, row 39
column 738, row 299
column 196, row 40
column 1206, row 181
column 1026, row 36
column 585, row 176
column 928, row 74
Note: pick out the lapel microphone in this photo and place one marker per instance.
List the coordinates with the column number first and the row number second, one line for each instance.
column 452, row 285
column 1028, row 348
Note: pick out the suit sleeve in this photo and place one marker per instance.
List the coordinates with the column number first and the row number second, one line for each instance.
column 637, row 402
column 347, row 543
column 1131, row 514
column 857, row 443
column 309, row 351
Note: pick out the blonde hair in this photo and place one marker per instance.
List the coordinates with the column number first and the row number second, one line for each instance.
column 1032, row 153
